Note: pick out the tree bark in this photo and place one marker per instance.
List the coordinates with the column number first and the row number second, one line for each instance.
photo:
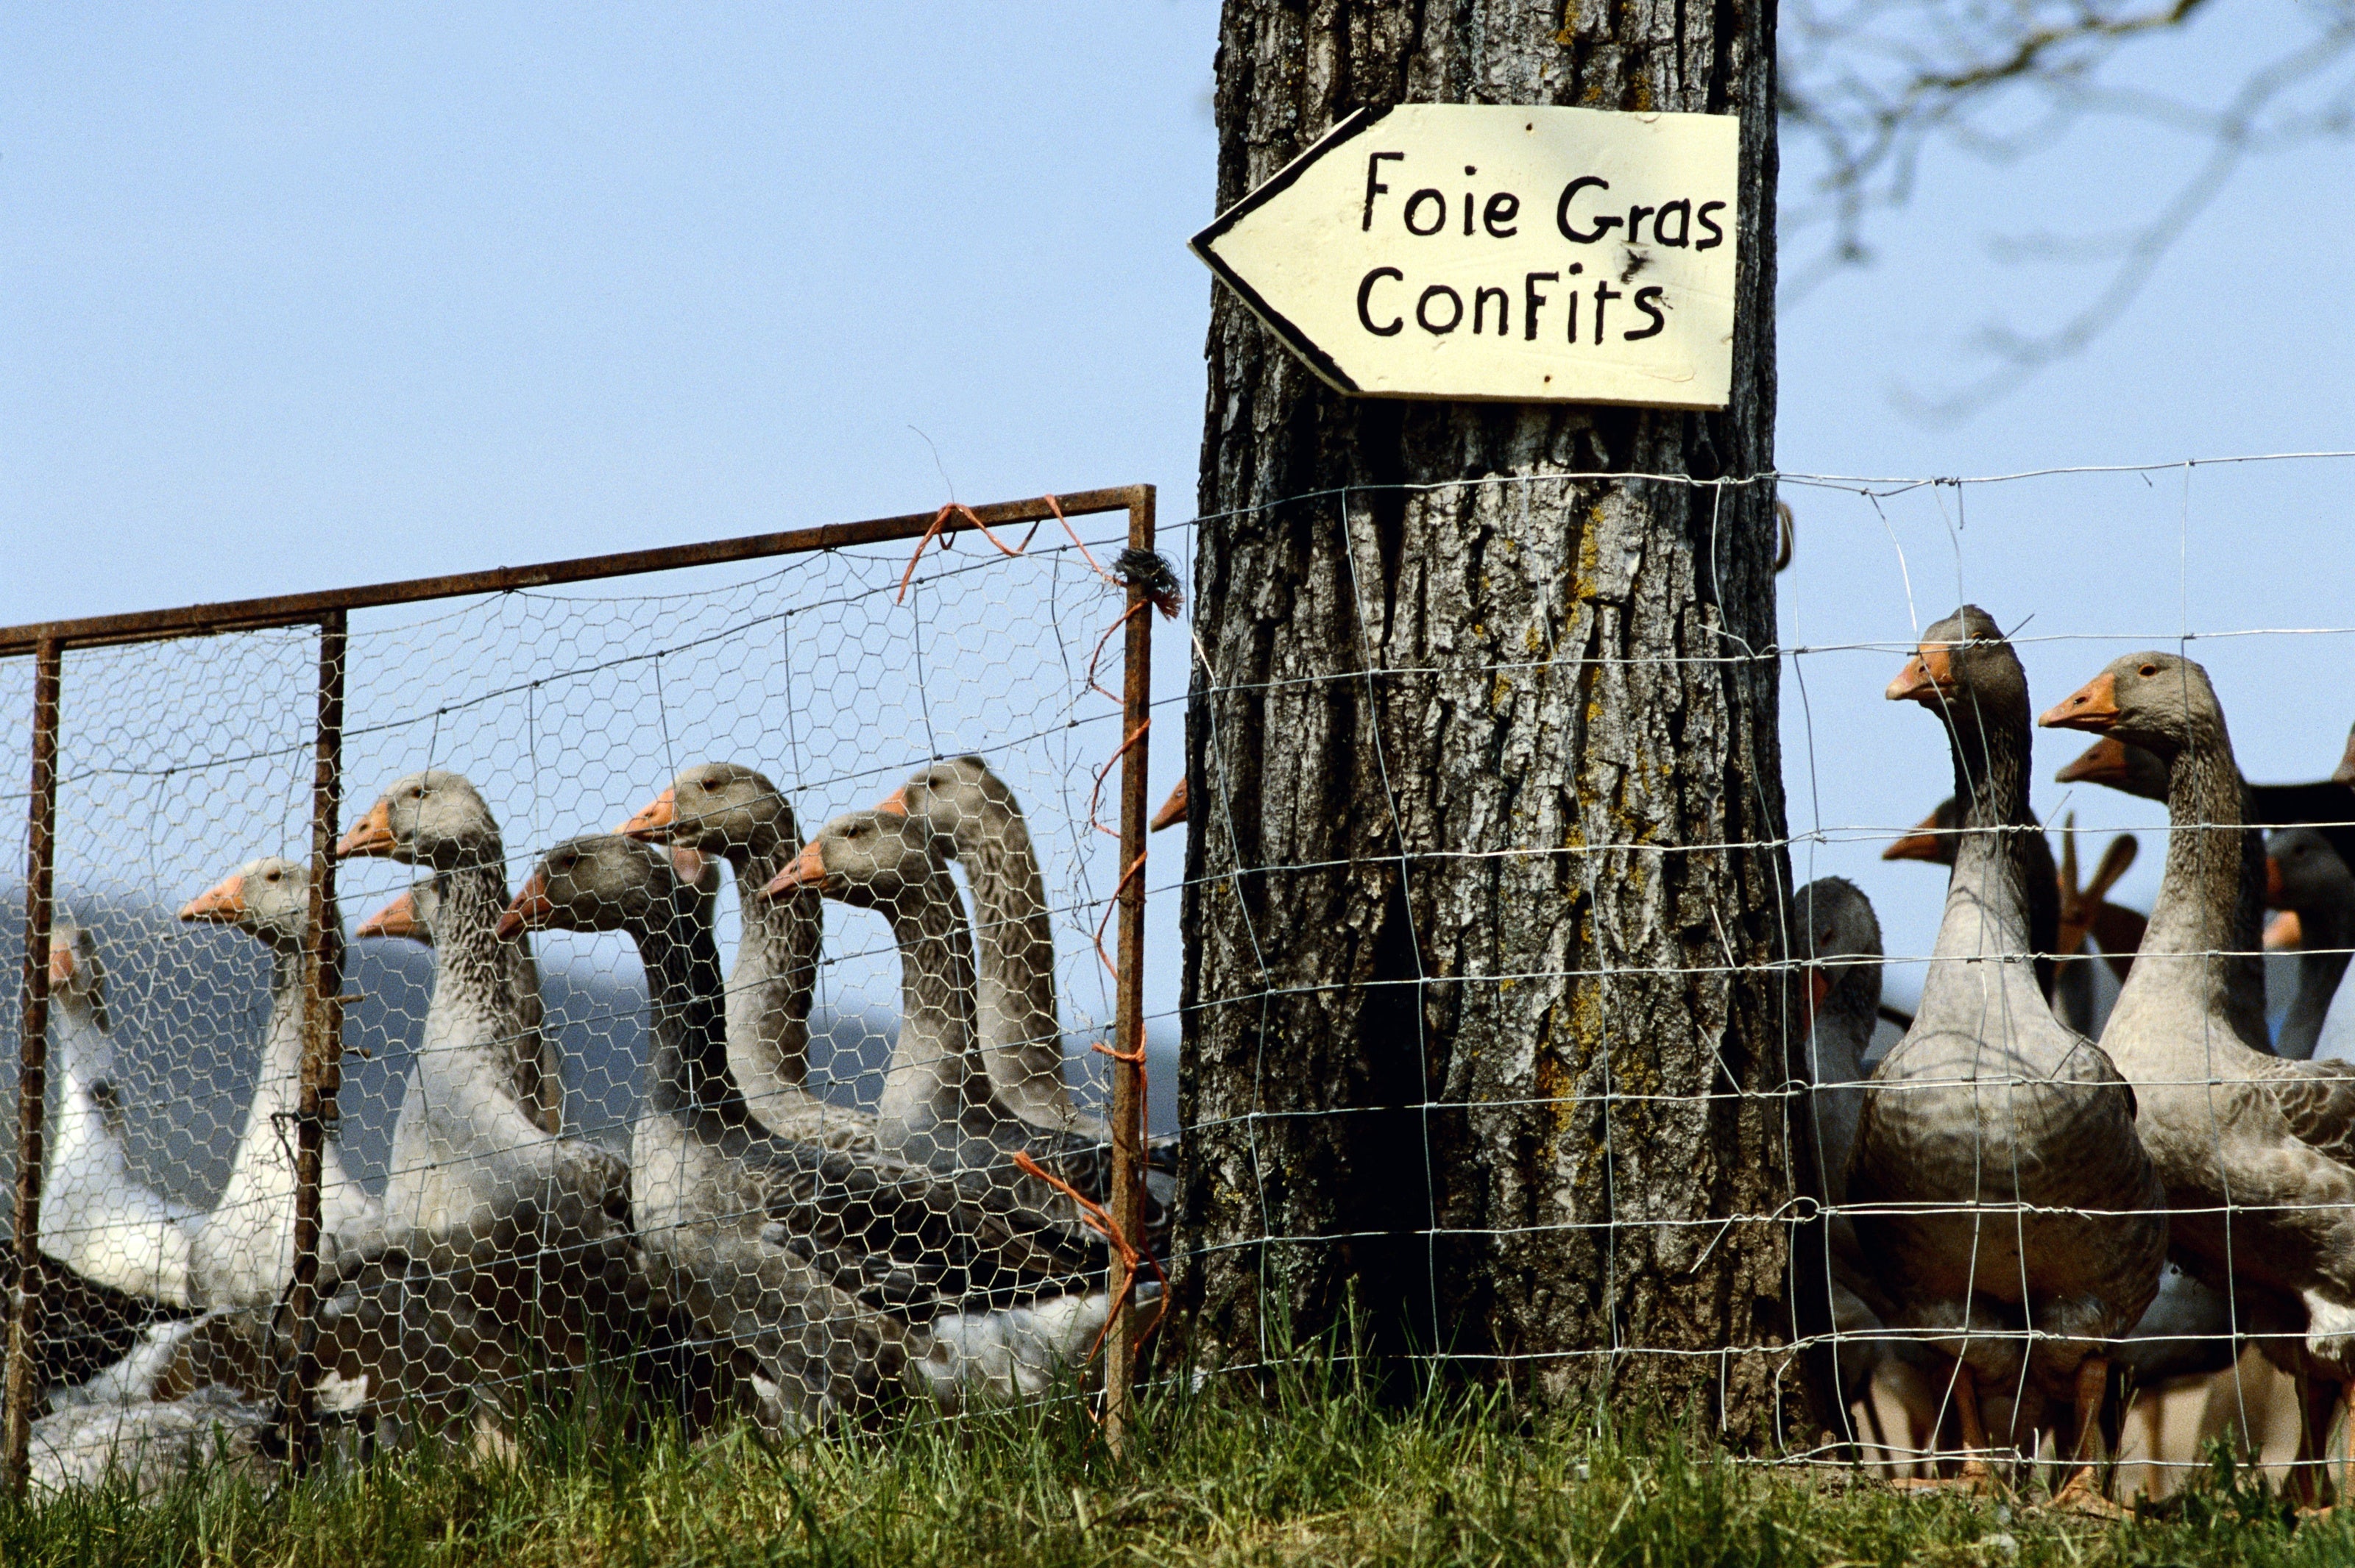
column 1484, row 874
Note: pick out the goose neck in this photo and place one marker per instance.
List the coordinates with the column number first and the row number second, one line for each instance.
column 689, row 1068
column 1993, row 853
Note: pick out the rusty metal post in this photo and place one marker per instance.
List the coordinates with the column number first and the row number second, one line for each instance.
column 323, row 1048
column 1128, row 1063
column 33, row 1073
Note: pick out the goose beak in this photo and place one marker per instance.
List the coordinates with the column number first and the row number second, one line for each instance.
column 1820, row 986
column 2273, row 890
column 221, row 904
column 2102, row 762
column 1173, row 810
column 808, row 870
column 398, row 918
column 1924, row 843
column 530, row 912
column 895, row 803
column 61, row 965
column 2344, row 773
column 2092, row 707
column 2285, row 932
column 653, row 824
column 1925, row 678
column 373, row 836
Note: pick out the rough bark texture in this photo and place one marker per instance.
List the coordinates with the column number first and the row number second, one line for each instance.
column 1487, row 795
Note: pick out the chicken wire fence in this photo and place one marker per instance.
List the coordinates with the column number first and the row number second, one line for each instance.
column 673, row 980
column 2001, row 1272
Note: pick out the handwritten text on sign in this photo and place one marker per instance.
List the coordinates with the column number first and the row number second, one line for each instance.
column 1480, row 250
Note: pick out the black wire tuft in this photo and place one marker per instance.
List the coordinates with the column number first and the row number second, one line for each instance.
column 1153, row 572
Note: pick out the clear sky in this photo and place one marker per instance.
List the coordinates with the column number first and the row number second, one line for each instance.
column 293, row 299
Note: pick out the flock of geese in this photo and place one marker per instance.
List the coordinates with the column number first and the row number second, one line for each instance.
column 2021, row 1213
column 760, row 1250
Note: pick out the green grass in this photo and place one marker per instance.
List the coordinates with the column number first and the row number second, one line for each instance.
column 1319, row 1471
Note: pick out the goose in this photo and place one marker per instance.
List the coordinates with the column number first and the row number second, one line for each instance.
column 2305, row 875
column 1998, row 1185
column 981, row 826
column 734, row 812
column 2257, row 1152
column 96, row 1217
column 243, row 1250
column 470, row 1147
column 816, row 1268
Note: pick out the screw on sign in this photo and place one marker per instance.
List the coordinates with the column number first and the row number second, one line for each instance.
column 1483, row 251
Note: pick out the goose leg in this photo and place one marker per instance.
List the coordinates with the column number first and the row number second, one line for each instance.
column 2317, row 1401
column 1975, row 1474
column 2082, row 1491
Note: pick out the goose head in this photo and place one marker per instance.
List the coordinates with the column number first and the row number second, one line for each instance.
column 2112, row 762
column 598, row 881
column 874, row 859
column 2157, row 700
column 268, row 898
column 430, row 818
column 715, row 808
column 952, row 793
column 1838, row 938
column 77, row 978
column 408, row 917
column 2303, row 872
column 1964, row 665
column 1174, row 810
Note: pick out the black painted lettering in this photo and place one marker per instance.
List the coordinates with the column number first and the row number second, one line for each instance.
column 1422, row 310
column 1531, row 299
column 1716, row 235
column 1498, row 217
column 1603, row 294
column 1561, row 211
column 1364, row 303
column 1480, row 298
column 1414, row 205
column 1683, row 209
column 1467, row 213
column 1643, row 298
column 1374, row 186
column 1636, row 222
column 1572, row 336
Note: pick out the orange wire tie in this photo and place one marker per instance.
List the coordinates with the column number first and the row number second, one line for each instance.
column 940, row 522
column 1135, row 867
column 1102, row 1224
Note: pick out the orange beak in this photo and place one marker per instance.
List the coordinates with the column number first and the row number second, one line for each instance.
column 808, row 870
column 221, row 904
column 2091, row 707
column 1926, row 677
column 1924, row 843
column 895, row 803
column 1820, row 986
column 61, row 965
column 2285, row 932
column 1173, row 810
column 373, row 836
column 2273, row 890
column 654, row 821
column 530, row 912
column 2102, row 762
column 398, row 918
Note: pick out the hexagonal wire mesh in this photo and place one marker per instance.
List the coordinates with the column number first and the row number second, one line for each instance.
column 573, row 1151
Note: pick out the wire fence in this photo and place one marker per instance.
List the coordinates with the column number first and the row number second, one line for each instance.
column 518, row 1132
column 633, row 1096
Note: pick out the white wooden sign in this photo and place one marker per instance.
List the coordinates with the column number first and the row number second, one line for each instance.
column 1478, row 250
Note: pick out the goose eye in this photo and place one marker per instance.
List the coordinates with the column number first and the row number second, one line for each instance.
column 2148, row 669
column 417, row 794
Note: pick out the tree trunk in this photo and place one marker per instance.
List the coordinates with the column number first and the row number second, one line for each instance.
column 1487, row 801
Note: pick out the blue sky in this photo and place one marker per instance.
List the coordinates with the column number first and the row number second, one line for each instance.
column 296, row 299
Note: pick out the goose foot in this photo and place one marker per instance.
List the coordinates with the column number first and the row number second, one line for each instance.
column 2084, row 1494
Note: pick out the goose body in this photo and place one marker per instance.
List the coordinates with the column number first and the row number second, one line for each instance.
column 97, row 1218
column 1999, row 1184
column 243, row 1250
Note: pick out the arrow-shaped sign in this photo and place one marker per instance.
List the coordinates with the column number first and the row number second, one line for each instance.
column 1481, row 250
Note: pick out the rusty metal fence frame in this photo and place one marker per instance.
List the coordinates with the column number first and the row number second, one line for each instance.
column 46, row 642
